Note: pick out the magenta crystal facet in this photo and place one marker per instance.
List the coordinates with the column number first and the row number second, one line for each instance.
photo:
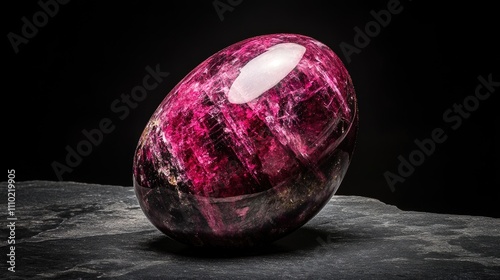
column 250, row 145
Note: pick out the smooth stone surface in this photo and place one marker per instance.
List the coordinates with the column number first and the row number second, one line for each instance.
column 250, row 145
column 73, row 230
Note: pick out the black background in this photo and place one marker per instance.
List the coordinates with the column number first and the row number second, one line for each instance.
column 428, row 58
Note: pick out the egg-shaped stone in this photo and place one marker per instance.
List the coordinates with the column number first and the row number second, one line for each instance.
column 250, row 145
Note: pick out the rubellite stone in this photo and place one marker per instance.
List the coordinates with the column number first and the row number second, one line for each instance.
column 250, row 145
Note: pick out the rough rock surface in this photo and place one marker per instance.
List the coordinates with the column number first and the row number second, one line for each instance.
column 71, row 230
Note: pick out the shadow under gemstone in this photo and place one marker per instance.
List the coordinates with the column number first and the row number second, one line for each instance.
column 302, row 239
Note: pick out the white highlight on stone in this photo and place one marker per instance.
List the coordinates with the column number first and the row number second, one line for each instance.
column 265, row 71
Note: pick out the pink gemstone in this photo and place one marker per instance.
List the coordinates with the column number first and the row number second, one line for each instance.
column 250, row 145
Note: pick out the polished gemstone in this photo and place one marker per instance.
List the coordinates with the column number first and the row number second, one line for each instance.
column 250, row 145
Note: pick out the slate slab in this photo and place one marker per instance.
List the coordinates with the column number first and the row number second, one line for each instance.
column 69, row 230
